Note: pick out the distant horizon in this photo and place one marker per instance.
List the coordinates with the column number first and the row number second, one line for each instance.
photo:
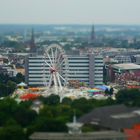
column 87, row 24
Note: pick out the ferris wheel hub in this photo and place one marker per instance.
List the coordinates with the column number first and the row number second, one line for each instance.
column 52, row 70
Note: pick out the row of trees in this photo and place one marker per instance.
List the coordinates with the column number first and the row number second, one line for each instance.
column 130, row 97
column 18, row 120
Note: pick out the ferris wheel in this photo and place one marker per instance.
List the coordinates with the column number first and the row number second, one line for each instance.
column 57, row 61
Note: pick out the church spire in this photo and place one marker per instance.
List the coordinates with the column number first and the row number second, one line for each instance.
column 92, row 37
column 32, row 35
column 32, row 42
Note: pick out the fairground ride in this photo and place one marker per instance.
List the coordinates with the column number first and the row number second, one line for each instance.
column 57, row 61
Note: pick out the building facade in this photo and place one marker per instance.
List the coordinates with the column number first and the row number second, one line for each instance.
column 83, row 68
column 115, row 70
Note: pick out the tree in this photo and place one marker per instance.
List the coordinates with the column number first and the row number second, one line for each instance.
column 6, row 85
column 12, row 132
column 67, row 101
column 128, row 96
column 44, row 124
column 7, row 107
column 11, row 86
column 19, row 78
column 46, row 111
column 4, row 78
column 82, row 105
column 3, row 90
column 52, row 100
column 25, row 116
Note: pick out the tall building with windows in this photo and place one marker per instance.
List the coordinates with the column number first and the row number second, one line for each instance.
column 84, row 68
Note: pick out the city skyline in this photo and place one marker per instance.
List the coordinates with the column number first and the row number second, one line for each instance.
column 69, row 12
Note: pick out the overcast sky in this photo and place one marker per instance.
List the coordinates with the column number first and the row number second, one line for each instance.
column 70, row 11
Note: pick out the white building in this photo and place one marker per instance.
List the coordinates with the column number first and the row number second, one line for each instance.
column 84, row 68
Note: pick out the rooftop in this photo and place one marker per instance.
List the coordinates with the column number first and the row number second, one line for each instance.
column 109, row 135
column 114, row 117
column 127, row 66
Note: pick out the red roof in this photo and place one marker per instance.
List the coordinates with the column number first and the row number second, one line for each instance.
column 29, row 96
column 134, row 133
column 137, row 126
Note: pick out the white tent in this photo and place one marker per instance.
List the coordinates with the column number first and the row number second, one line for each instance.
column 22, row 84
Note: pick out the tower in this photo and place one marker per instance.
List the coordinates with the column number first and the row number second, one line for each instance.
column 92, row 37
column 74, row 127
column 25, row 35
column 32, row 43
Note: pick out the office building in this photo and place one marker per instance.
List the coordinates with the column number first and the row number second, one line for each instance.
column 84, row 68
